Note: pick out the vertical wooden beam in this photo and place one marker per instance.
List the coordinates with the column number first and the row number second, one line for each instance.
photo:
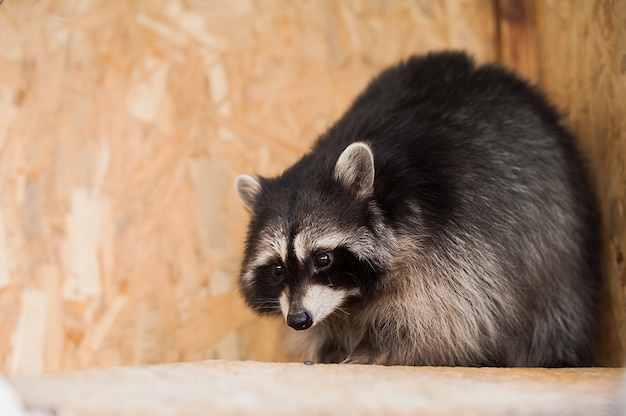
column 582, row 68
column 517, row 42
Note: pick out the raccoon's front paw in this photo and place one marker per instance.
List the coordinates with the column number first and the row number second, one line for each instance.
column 366, row 356
column 368, row 352
column 380, row 359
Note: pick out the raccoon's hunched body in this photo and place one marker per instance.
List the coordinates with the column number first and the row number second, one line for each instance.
column 445, row 219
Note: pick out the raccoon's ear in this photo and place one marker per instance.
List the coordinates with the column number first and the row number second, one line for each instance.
column 247, row 188
column 355, row 169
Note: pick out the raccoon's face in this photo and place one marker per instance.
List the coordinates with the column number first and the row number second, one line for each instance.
column 312, row 241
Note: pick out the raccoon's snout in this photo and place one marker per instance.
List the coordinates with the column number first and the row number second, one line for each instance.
column 314, row 305
column 300, row 320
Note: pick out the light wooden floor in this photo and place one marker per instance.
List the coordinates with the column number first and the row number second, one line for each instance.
column 232, row 387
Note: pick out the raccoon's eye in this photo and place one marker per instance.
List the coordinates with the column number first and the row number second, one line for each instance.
column 323, row 260
column 278, row 270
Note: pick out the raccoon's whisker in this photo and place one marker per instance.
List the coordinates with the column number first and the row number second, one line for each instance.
column 265, row 300
column 369, row 263
column 267, row 305
column 330, row 282
column 330, row 328
column 354, row 278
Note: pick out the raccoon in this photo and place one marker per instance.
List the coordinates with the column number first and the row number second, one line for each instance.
column 445, row 219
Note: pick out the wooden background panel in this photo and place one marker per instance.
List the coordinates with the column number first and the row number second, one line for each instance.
column 122, row 127
column 582, row 66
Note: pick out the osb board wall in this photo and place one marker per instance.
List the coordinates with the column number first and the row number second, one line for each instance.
column 581, row 50
column 122, row 127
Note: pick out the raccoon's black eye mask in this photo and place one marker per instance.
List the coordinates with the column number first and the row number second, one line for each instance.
column 322, row 261
column 273, row 273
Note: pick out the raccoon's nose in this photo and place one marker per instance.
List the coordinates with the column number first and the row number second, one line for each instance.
column 299, row 320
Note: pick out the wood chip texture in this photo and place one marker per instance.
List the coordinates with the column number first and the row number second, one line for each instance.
column 122, row 127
